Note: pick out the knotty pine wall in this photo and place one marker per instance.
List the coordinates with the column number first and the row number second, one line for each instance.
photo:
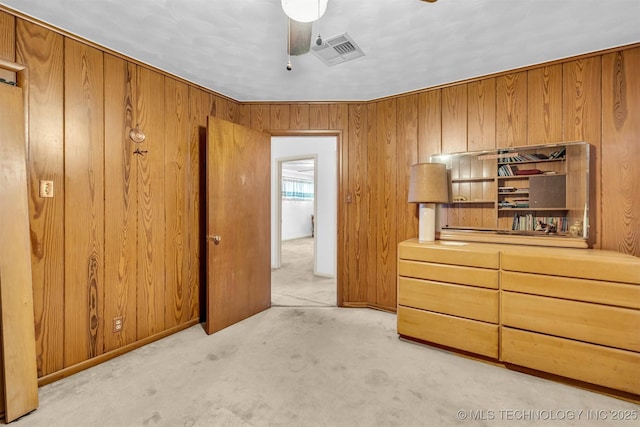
column 122, row 235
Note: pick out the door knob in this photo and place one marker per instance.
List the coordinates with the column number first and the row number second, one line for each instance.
column 215, row 238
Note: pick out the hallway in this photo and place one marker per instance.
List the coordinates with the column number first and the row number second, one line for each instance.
column 294, row 285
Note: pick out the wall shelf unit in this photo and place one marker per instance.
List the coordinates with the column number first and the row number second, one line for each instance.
column 538, row 190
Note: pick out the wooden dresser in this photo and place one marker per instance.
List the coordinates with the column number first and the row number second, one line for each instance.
column 574, row 313
column 454, row 290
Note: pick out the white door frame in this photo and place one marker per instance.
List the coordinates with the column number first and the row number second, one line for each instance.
column 278, row 224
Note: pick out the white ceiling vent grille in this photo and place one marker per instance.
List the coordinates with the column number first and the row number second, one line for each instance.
column 337, row 49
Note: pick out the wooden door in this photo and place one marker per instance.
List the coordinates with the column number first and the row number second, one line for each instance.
column 238, row 223
column 17, row 332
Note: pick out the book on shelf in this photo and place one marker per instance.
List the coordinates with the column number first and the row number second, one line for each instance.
column 520, row 158
column 559, row 154
column 529, row 222
column 528, row 172
column 507, row 170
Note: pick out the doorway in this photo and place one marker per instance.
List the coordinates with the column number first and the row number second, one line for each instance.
column 304, row 216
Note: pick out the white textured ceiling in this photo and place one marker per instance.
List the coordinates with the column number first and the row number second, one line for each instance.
column 238, row 47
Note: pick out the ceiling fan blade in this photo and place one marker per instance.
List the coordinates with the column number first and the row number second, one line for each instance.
column 299, row 37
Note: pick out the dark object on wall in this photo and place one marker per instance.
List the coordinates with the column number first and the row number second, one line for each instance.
column 548, row 191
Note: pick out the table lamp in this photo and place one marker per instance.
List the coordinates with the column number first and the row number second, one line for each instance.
column 428, row 185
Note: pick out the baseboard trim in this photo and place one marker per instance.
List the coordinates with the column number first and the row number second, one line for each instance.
column 352, row 304
column 70, row 370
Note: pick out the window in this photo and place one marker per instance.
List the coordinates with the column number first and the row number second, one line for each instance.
column 297, row 189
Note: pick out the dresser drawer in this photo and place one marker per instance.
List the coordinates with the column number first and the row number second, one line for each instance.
column 582, row 263
column 464, row 301
column 455, row 253
column 608, row 293
column 468, row 335
column 608, row 367
column 449, row 273
column 598, row 324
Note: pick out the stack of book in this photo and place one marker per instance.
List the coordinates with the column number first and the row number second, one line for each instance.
column 559, row 154
column 507, row 170
column 528, row 222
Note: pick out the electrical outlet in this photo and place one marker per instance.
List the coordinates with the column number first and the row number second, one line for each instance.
column 46, row 188
column 117, row 324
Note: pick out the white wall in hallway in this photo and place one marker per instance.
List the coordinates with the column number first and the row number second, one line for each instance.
column 324, row 148
column 296, row 219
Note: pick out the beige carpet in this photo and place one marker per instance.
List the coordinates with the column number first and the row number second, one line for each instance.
column 313, row 366
column 294, row 284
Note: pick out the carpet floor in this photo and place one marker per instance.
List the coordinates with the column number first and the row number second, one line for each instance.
column 305, row 362
column 294, row 284
column 312, row 366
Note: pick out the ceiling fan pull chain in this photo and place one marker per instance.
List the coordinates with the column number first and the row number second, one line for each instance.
column 319, row 38
column 289, row 66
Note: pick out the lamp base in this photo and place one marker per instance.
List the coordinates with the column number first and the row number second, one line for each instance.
column 427, row 222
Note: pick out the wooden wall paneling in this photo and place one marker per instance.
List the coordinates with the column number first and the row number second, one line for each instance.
column 387, row 210
column 197, row 143
column 454, row 119
column 7, row 36
column 511, row 110
column 279, row 116
column 621, row 151
column 481, row 114
column 318, row 116
column 42, row 51
column 225, row 109
column 151, row 215
column 121, row 203
column 209, row 105
column 260, row 116
column 243, row 116
column 454, row 133
column 339, row 119
column 299, row 116
column 84, row 199
column 430, row 134
column 429, row 124
column 357, row 224
column 176, row 169
column 372, row 204
column 582, row 121
column 544, row 98
column 407, row 149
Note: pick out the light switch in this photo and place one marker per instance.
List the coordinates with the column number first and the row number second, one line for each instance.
column 46, row 188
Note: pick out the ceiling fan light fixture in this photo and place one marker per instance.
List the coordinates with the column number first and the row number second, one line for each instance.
column 304, row 10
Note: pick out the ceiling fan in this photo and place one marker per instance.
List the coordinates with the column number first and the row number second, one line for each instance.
column 301, row 15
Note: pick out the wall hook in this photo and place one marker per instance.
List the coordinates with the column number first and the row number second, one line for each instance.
column 137, row 135
column 140, row 152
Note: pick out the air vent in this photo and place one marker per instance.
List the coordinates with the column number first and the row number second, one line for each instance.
column 337, row 49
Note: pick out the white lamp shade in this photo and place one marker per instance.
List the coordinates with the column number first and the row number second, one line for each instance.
column 304, row 10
